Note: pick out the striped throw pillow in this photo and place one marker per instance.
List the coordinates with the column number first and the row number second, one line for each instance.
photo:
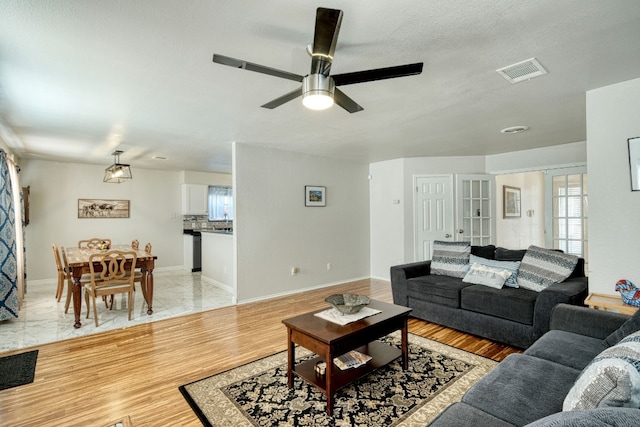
column 611, row 379
column 541, row 268
column 450, row 258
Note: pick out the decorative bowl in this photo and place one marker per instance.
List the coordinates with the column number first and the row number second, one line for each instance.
column 348, row 303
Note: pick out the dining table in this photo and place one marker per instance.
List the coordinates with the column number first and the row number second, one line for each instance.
column 78, row 260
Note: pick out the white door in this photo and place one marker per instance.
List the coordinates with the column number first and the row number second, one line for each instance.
column 433, row 204
column 475, row 218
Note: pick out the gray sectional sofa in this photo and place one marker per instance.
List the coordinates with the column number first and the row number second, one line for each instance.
column 513, row 316
column 529, row 389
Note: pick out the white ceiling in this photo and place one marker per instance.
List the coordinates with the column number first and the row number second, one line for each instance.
column 79, row 78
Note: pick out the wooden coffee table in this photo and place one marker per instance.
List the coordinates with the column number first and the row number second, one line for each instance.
column 329, row 340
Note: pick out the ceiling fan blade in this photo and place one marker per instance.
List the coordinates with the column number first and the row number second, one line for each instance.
column 324, row 39
column 239, row 63
column 340, row 98
column 283, row 99
column 377, row 74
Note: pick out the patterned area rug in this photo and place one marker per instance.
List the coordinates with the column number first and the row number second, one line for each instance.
column 17, row 369
column 256, row 394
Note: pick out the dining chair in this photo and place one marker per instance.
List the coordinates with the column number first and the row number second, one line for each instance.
column 112, row 273
column 61, row 272
column 83, row 280
column 139, row 277
column 135, row 244
column 92, row 243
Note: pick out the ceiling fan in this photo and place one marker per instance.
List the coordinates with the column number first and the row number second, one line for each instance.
column 318, row 88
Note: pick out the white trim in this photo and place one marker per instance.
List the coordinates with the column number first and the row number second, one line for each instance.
column 538, row 168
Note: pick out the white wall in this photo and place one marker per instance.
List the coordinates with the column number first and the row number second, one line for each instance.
column 392, row 239
column 274, row 231
column 614, row 227
column 155, row 212
column 387, row 216
column 519, row 233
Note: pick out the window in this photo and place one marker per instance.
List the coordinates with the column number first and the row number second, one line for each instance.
column 220, row 203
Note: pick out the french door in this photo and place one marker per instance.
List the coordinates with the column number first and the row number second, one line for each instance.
column 567, row 211
column 474, row 209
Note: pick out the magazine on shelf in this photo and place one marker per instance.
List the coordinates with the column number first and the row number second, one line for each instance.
column 353, row 359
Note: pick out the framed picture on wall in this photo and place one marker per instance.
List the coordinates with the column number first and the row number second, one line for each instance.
column 511, row 201
column 103, row 208
column 315, row 195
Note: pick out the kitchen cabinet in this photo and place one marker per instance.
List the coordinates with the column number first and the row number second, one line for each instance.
column 195, row 199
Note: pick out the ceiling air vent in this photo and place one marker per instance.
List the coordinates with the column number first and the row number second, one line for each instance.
column 521, row 71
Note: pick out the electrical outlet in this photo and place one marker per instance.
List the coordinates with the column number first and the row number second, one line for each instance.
column 328, row 266
column 294, row 271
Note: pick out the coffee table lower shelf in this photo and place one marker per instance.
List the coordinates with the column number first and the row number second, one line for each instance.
column 382, row 354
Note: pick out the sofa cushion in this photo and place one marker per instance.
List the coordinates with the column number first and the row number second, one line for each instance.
column 450, row 258
column 482, row 275
column 566, row 348
column 488, row 251
column 512, row 266
column 541, row 268
column 522, row 389
column 630, row 326
column 601, row 417
column 507, row 303
column 503, row 254
column 611, row 379
column 461, row 414
column 442, row 290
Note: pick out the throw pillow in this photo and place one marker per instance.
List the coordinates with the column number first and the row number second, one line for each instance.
column 450, row 258
column 510, row 266
column 612, row 379
column 503, row 254
column 630, row 326
column 482, row 275
column 541, row 268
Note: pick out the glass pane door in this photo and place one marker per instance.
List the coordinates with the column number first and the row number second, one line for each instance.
column 569, row 212
column 474, row 210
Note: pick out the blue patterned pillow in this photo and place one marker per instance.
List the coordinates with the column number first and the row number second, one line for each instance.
column 450, row 258
column 611, row 379
column 541, row 268
column 511, row 266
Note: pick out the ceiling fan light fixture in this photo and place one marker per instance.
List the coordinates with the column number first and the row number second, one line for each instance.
column 317, row 91
column 117, row 172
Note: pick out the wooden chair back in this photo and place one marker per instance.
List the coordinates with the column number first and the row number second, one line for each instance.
column 61, row 272
column 147, row 248
column 135, row 244
column 112, row 273
column 92, row 243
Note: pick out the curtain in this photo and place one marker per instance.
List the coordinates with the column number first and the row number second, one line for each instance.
column 9, row 292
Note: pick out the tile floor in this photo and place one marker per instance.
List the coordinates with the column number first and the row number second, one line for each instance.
column 42, row 319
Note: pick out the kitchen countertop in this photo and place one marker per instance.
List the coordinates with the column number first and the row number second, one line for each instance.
column 217, row 232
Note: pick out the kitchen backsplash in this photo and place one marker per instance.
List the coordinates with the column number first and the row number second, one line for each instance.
column 201, row 222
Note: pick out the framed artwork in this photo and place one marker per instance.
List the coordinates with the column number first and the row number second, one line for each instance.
column 103, row 208
column 315, row 195
column 634, row 162
column 511, row 202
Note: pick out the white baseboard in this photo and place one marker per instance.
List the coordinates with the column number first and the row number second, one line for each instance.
column 298, row 291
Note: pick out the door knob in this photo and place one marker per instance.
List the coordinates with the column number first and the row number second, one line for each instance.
column 460, row 231
column 447, row 235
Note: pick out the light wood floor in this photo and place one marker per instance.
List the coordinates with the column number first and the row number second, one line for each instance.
column 99, row 379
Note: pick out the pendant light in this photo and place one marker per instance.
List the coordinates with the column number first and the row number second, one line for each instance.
column 117, row 172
